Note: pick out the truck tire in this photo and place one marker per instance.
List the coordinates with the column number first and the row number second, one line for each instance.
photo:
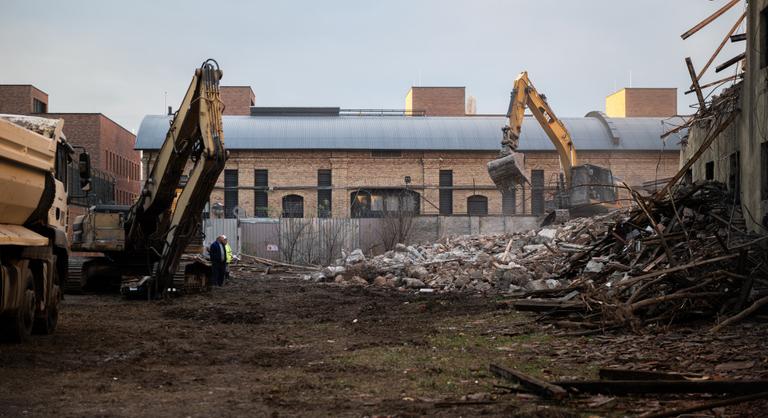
column 17, row 327
column 45, row 323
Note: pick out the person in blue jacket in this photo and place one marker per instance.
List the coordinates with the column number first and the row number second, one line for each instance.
column 218, row 255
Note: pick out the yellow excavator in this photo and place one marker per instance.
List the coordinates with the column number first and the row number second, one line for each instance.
column 144, row 246
column 582, row 189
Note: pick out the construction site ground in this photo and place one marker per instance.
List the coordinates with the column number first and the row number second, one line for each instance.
column 279, row 346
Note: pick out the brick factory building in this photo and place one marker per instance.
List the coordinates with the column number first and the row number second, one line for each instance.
column 325, row 162
column 110, row 145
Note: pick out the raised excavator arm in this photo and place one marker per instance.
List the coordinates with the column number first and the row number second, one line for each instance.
column 143, row 244
column 585, row 185
column 524, row 95
column 196, row 134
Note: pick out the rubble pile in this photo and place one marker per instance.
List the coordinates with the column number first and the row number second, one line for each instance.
column 519, row 262
column 681, row 256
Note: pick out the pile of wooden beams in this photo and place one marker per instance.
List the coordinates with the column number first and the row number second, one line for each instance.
column 682, row 256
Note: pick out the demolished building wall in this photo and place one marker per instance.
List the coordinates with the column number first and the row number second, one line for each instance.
column 754, row 137
column 738, row 157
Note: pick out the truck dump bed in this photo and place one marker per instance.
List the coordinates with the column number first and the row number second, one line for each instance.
column 27, row 157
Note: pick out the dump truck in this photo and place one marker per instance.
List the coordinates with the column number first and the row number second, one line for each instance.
column 34, row 157
column 582, row 189
column 145, row 247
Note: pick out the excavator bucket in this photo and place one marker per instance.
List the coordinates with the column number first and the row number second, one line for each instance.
column 507, row 171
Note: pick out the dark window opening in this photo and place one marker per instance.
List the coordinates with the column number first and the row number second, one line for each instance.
column 386, row 153
column 61, row 164
column 260, row 199
column 763, row 41
column 230, row 193
column 39, row 106
column 709, row 170
column 293, row 206
column 477, row 205
column 381, row 202
column 446, row 192
column 509, row 202
column 764, row 165
column 688, row 178
column 537, row 192
column 734, row 175
column 324, row 193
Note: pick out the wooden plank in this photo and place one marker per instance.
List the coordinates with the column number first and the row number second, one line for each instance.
column 743, row 314
column 704, row 146
column 709, row 19
column 714, row 83
column 720, row 47
column 633, row 280
column 739, row 37
column 625, row 387
column 543, row 305
column 627, row 374
column 708, row 405
column 531, row 383
column 695, row 83
column 730, row 62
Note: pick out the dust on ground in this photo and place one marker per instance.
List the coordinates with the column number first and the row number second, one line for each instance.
column 267, row 345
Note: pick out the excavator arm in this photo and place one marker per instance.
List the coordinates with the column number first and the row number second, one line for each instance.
column 524, row 95
column 155, row 224
column 585, row 185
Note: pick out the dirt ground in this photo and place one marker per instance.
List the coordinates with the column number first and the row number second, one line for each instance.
column 272, row 346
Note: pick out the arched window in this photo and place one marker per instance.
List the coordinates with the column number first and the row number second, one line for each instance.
column 293, row 206
column 360, row 204
column 477, row 205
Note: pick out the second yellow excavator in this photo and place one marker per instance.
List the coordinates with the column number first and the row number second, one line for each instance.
column 583, row 189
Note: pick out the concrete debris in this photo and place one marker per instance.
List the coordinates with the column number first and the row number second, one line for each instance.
column 664, row 260
column 356, row 256
column 478, row 263
column 594, row 266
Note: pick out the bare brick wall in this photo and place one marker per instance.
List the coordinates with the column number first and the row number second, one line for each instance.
column 18, row 99
column 437, row 101
column 296, row 173
column 237, row 100
column 651, row 102
column 111, row 148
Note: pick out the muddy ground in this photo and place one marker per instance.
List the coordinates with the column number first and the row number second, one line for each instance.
column 272, row 346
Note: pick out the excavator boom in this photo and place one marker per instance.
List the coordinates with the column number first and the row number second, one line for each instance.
column 195, row 134
column 503, row 171
column 507, row 171
column 144, row 243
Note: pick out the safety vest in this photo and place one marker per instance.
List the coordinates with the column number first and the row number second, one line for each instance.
column 228, row 250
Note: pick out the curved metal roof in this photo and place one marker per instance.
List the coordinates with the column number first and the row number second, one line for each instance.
column 469, row 133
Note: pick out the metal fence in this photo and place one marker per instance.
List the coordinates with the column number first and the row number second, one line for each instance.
column 102, row 188
column 322, row 240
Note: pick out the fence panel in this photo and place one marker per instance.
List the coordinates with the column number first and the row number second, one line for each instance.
column 321, row 240
column 370, row 236
column 260, row 238
column 215, row 227
column 317, row 240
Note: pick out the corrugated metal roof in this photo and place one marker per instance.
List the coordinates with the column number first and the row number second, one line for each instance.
column 470, row 133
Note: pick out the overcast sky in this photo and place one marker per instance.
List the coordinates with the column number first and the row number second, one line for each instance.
column 120, row 58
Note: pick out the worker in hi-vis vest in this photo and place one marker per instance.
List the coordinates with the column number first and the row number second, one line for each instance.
column 228, row 251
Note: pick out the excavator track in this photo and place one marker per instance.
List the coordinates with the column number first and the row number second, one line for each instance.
column 192, row 275
column 75, row 280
